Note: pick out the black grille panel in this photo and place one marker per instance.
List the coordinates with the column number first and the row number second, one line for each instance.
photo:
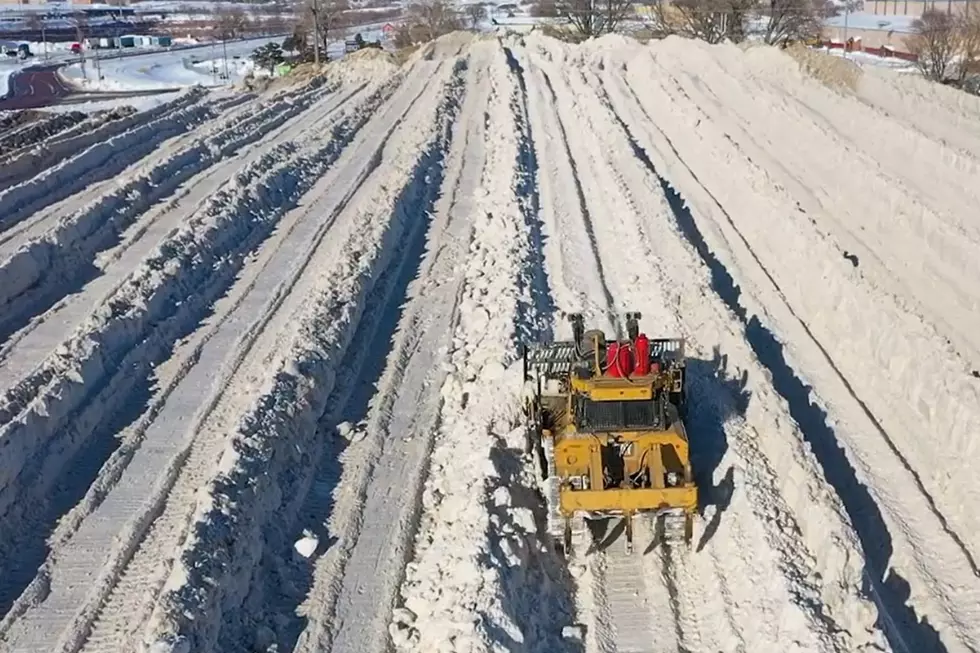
column 617, row 415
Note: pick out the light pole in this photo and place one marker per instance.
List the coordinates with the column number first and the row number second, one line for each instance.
column 316, row 32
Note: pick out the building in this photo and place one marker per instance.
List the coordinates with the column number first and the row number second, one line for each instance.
column 869, row 30
column 917, row 7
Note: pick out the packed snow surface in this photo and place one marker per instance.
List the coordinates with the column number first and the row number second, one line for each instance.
column 259, row 354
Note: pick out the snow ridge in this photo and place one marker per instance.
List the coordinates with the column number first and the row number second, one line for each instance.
column 226, row 541
column 101, row 160
column 903, row 543
column 43, row 266
column 482, row 577
column 51, row 415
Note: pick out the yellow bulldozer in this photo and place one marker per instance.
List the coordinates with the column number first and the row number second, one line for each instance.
column 604, row 419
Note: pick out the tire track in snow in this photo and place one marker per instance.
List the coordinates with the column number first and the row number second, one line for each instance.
column 786, row 537
column 164, row 449
column 722, row 281
column 889, row 589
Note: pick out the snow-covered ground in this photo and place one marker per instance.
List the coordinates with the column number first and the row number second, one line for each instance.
column 165, row 70
column 6, row 70
column 259, row 355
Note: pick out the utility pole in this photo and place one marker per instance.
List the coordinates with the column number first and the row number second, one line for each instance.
column 224, row 55
column 847, row 13
column 316, row 32
column 81, row 52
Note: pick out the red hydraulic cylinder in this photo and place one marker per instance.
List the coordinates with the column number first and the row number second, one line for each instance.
column 612, row 353
column 642, row 355
column 625, row 356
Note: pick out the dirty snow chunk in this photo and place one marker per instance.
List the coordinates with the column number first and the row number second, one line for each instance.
column 306, row 545
column 168, row 645
column 501, row 497
column 575, row 632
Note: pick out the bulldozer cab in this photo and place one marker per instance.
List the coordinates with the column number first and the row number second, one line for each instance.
column 605, row 420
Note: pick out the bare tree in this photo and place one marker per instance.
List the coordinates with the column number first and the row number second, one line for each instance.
column 324, row 17
column 595, row 17
column 230, row 23
column 544, row 9
column 476, row 13
column 968, row 45
column 433, row 18
column 705, row 20
column 791, row 20
column 934, row 42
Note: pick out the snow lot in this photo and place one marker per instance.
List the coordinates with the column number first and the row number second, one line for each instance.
column 163, row 70
column 257, row 355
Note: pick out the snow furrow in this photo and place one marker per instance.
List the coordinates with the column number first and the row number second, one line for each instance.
column 905, row 527
column 43, row 262
column 211, row 232
column 480, row 547
column 944, row 113
column 97, row 163
column 47, row 219
column 143, row 575
column 49, row 268
column 22, row 165
column 293, row 598
column 392, row 440
column 700, row 428
column 225, row 540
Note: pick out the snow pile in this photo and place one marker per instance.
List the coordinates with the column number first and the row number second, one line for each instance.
column 945, row 113
column 359, row 67
column 848, row 310
column 624, row 189
column 480, row 548
column 23, row 164
column 100, row 160
column 45, row 127
column 260, row 459
column 836, row 73
column 171, row 290
column 864, row 396
column 46, row 261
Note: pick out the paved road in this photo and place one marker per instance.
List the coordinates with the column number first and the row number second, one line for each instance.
column 37, row 86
